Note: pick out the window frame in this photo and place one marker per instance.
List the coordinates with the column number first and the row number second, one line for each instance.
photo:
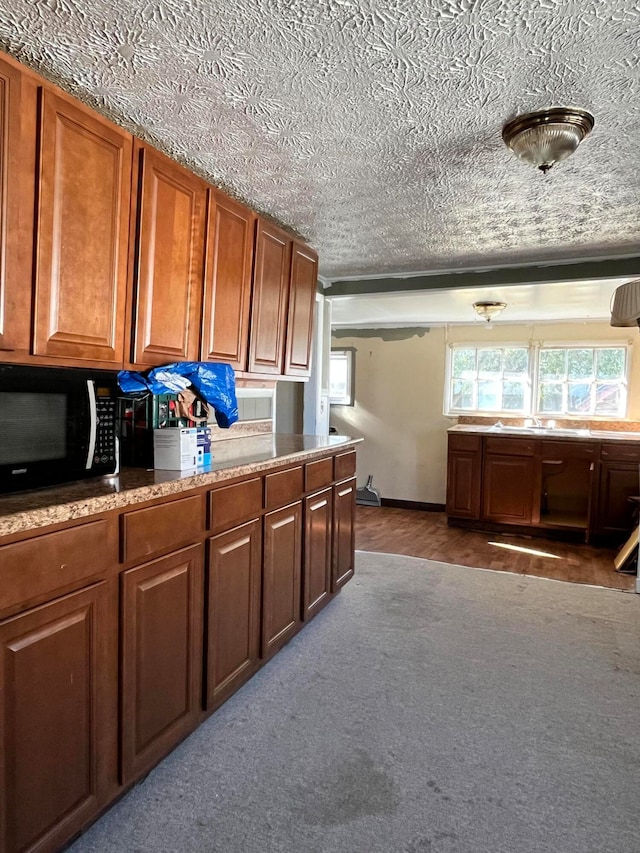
column 627, row 346
column 535, row 348
column 349, row 398
column 450, row 412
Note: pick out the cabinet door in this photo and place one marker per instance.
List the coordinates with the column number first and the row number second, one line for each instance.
column 17, row 191
column 169, row 275
column 318, row 520
column 227, row 296
column 282, row 569
column 463, row 485
column 509, row 489
column 53, row 702
column 618, row 482
column 269, row 302
column 161, row 657
column 344, row 537
column 82, row 234
column 302, row 299
column 233, row 612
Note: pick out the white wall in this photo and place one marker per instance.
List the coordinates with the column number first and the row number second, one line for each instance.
column 398, row 411
column 399, row 399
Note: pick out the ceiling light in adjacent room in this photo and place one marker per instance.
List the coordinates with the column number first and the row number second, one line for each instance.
column 489, row 310
column 625, row 310
column 545, row 137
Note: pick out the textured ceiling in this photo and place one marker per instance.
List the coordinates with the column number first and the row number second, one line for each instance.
column 371, row 128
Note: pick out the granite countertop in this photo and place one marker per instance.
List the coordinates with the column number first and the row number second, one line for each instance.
column 233, row 457
column 548, row 432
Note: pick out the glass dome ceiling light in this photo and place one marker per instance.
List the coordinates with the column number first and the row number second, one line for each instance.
column 547, row 136
column 489, row 310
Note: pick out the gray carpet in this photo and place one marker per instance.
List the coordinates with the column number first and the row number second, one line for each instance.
column 429, row 708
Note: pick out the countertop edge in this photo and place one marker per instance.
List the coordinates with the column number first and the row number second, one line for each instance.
column 550, row 434
column 36, row 517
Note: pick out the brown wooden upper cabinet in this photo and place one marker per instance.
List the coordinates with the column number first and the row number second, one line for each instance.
column 227, row 294
column 169, row 266
column 81, row 233
column 17, row 192
column 270, row 295
column 302, row 297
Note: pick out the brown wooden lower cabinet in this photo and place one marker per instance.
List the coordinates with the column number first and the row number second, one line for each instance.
column 54, row 694
column 551, row 484
column 282, row 569
column 161, row 662
column 508, row 490
column 463, row 484
column 234, row 580
column 344, row 513
column 97, row 685
column 318, row 523
column 618, row 482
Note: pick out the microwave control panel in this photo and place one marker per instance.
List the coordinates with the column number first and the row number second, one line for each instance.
column 105, row 449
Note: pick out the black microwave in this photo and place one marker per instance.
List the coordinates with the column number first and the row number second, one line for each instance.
column 56, row 425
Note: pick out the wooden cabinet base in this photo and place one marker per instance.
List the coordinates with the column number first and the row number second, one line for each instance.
column 560, row 533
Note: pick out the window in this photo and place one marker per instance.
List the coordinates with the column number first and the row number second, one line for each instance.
column 341, row 377
column 493, row 380
column 582, row 381
column 579, row 380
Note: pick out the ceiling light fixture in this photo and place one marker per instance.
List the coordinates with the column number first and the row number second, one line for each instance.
column 625, row 309
column 489, row 310
column 545, row 137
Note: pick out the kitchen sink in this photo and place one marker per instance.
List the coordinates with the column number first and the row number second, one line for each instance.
column 578, row 433
column 547, row 432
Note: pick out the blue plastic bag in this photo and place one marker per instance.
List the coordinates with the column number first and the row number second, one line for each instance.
column 214, row 383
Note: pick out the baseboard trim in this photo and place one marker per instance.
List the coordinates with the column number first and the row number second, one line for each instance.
column 425, row 507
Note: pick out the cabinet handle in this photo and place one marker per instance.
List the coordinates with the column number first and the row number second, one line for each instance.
column 63, row 567
column 552, row 461
column 7, row 349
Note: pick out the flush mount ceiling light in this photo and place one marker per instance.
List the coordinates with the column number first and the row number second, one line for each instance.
column 547, row 136
column 625, row 310
column 489, row 310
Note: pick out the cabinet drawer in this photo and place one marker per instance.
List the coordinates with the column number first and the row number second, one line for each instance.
column 161, row 528
column 466, row 442
column 510, row 446
column 345, row 465
column 234, row 504
column 567, row 450
column 620, row 452
column 318, row 474
column 38, row 566
column 282, row 488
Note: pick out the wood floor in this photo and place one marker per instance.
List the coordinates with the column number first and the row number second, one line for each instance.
column 425, row 534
